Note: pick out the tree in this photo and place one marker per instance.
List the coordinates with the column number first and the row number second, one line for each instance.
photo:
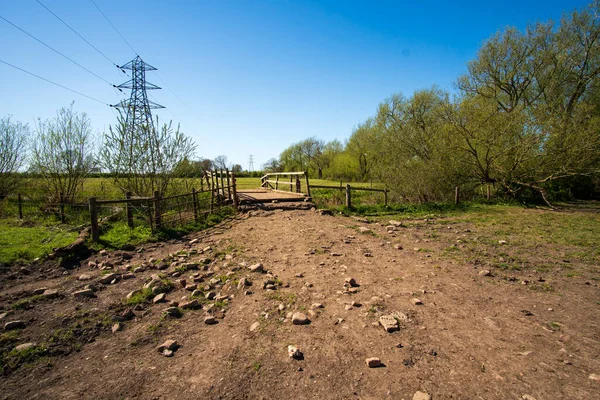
column 272, row 165
column 236, row 168
column 220, row 162
column 14, row 138
column 550, row 76
column 63, row 153
column 143, row 159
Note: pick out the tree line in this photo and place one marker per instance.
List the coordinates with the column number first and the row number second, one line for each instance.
column 524, row 118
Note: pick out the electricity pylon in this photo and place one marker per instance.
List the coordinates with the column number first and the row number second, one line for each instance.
column 251, row 163
column 138, row 115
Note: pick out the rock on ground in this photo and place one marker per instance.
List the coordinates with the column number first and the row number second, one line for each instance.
column 299, row 319
column 389, row 323
column 421, row 396
column 373, row 362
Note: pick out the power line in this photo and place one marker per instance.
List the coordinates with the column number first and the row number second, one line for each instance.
column 56, row 51
column 54, row 83
column 77, row 33
column 114, row 27
column 172, row 91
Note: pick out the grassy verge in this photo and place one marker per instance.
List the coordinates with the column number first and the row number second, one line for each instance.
column 26, row 242
column 118, row 234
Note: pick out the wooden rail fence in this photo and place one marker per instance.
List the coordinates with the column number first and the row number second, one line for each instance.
column 160, row 211
column 348, row 188
column 295, row 183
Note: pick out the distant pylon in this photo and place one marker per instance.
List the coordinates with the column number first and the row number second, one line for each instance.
column 250, row 163
column 138, row 107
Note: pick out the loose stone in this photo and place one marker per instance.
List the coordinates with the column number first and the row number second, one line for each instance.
column 174, row 312
column 416, row 301
column 389, row 323
column 373, row 362
column 117, row 327
column 299, row 319
column 24, row 346
column 168, row 345
column 422, row 396
column 351, row 282
column 295, row 353
column 85, row 293
column 254, row 326
column 12, row 325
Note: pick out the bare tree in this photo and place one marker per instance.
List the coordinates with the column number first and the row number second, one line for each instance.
column 63, row 152
column 220, row 162
column 13, row 152
column 143, row 160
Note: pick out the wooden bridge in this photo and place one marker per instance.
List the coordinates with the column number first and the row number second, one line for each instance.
column 272, row 187
column 276, row 187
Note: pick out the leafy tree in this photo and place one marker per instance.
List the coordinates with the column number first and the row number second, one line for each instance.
column 14, row 138
column 272, row 165
column 63, row 153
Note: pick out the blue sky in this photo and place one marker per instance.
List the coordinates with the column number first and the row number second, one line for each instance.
column 249, row 77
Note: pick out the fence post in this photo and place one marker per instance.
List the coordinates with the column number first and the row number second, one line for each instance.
column 291, row 183
column 228, row 185
column 212, row 200
column 298, row 186
column 348, row 196
column 149, row 208
column 157, row 210
column 20, row 204
column 307, row 185
column 129, row 210
column 94, row 220
column 385, row 192
column 217, row 181
column 195, row 203
column 276, row 182
column 222, row 184
column 456, row 195
column 235, row 197
column 62, row 208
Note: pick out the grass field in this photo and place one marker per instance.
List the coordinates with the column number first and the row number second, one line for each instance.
column 26, row 242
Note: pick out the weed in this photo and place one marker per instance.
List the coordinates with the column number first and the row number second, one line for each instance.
column 256, row 366
column 15, row 358
column 286, row 298
column 143, row 296
column 543, row 287
column 554, row 326
column 8, row 338
column 27, row 302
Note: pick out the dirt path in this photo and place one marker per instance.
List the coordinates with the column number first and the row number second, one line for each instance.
column 473, row 336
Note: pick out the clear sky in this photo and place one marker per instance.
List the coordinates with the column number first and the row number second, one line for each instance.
column 249, row 77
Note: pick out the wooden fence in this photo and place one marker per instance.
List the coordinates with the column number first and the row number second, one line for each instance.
column 295, row 182
column 348, row 188
column 160, row 212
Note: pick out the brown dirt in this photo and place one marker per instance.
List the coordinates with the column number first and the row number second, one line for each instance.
column 474, row 336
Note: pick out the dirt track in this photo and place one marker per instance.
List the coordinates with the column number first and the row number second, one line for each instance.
column 474, row 336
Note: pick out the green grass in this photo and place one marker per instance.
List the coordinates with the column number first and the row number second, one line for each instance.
column 119, row 234
column 30, row 241
column 27, row 302
column 143, row 296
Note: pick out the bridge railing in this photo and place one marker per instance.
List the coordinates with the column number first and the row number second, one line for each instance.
column 292, row 181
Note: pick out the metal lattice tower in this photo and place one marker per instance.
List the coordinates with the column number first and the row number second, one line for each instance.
column 251, row 163
column 138, row 106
